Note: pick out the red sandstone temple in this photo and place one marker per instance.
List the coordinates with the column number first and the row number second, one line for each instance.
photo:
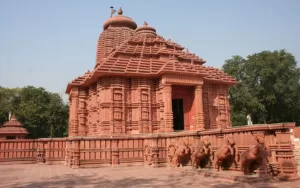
column 143, row 83
column 13, row 129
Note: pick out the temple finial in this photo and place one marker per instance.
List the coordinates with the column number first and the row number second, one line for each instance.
column 145, row 23
column 120, row 11
column 112, row 11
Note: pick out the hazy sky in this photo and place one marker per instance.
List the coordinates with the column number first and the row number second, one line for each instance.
column 48, row 43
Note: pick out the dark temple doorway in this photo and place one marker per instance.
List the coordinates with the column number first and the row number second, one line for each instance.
column 178, row 116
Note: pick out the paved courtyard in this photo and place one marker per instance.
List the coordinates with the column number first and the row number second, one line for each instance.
column 47, row 176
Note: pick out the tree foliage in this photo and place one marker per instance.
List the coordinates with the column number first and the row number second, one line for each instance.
column 43, row 113
column 269, row 87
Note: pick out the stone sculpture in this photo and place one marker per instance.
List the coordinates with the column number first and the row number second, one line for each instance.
column 203, row 150
column 226, row 152
column 148, row 156
column 177, row 155
column 255, row 156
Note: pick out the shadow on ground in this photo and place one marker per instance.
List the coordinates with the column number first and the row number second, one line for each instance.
column 181, row 179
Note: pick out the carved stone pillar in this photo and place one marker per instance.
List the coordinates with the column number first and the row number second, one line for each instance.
column 82, row 113
column 73, row 112
column 199, row 108
column 155, row 152
column 40, row 153
column 168, row 114
column 75, row 154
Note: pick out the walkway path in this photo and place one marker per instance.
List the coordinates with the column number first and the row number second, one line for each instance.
column 46, row 176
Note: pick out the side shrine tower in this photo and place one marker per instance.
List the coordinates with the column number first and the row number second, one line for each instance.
column 142, row 83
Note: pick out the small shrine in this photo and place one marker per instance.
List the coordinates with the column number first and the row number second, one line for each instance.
column 13, row 129
column 144, row 83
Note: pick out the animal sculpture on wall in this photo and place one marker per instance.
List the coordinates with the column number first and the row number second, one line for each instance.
column 226, row 152
column 202, row 151
column 177, row 155
column 255, row 156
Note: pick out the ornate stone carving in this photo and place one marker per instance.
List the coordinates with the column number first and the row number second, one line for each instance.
column 186, row 80
column 256, row 156
column 227, row 153
column 148, row 156
column 41, row 156
column 202, row 151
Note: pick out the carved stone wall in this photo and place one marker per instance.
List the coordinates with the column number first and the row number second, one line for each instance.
column 115, row 105
column 216, row 106
column 132, row 105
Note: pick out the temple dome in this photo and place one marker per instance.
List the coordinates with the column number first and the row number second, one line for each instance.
column 119, row 21
column 145, row 28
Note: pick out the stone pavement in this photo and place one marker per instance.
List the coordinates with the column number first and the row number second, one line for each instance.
column 46, row 176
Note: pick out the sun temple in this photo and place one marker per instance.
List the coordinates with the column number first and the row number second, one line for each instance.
column 149, row 101
column 143, row 83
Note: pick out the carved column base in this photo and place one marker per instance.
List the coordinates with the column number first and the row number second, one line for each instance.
column 155, row 157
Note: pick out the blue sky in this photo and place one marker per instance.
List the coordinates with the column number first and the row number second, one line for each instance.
column 48, row 43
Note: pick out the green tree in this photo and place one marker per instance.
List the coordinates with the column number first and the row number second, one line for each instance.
column 43, row 113
column 269, row 87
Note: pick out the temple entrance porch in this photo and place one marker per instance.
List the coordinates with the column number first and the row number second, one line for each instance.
column 182, row 107
column 183, row 104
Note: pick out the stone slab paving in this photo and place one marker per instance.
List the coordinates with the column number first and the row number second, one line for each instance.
column 47, row 176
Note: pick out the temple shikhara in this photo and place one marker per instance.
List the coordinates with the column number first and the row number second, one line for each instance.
column 143, row 83
column 149, row 101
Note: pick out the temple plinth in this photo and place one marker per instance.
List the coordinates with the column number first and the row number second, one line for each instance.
column 143, row 83
column 13, row 129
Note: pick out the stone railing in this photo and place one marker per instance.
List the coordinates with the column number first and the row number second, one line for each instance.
column 44, row 150
column 157, row 150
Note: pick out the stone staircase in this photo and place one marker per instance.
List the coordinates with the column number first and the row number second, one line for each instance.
column 296, row 143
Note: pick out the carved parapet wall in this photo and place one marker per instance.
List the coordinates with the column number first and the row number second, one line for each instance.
column 40, row 151
column 153, row 150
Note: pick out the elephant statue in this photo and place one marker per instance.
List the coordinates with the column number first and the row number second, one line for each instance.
column 226, row 152
column 202, row 151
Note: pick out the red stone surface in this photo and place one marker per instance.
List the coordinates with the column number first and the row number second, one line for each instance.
column 296, row 132
column 13, row 128
column 32, row 151
column 47, row 176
